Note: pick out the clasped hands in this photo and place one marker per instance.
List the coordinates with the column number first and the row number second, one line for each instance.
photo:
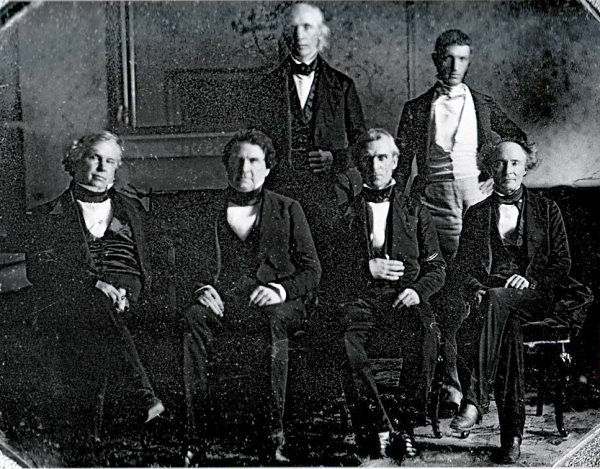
column 118, row 296
column 392, row 270
column 260, row 296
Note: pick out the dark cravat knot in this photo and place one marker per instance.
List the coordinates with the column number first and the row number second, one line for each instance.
column 304, row 69
column 85, row 195
column 510, row 199
column 377, row 195
column 244, row 198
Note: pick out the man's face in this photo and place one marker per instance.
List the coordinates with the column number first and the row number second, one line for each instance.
column 303, row 32
column 453, row 65
column 247, row 169
column 97, row 169
column 509, row 167
column 378, row 163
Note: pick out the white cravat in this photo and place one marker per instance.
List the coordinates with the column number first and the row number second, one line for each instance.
column 447, row 111
column 241, row 219
column 508, row 216
column 378, row 213
column 97, row 216
column 303, row 84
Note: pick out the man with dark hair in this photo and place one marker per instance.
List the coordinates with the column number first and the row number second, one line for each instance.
column 313, row 113
column 446, row 130
column 88, row 262
column 391, row 259
column 252, row 257
column 513, row 253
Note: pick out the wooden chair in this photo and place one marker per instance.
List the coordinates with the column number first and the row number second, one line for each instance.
column 550, row 343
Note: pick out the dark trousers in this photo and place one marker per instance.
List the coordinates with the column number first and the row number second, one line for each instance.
column 125, row 340
column 407, row 333
column 450, row 315
column 491, row 343
column 267, row 328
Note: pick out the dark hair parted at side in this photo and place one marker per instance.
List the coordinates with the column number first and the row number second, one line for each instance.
column 79, row 149
column 255, row 137
column 450, row 38
column 530, row 149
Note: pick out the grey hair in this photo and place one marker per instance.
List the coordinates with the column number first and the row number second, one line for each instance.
column 369, row 136
column 530, row 149
column 79, row 149
column 324, row 31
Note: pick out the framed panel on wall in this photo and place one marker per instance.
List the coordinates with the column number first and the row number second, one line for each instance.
column 180, row 79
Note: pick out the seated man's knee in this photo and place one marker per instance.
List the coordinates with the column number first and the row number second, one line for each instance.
column 198, row 315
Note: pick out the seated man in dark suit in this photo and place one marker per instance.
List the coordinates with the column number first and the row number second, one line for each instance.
column 257, row 259
column 392, row 261
column 87, row 261
column 512, row 255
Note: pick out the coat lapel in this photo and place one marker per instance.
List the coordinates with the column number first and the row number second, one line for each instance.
column 65, row 215
column 270, row 218
column 396, row 223
column 533, row 230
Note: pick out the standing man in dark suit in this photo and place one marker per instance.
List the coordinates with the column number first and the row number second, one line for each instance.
column 313, row 113
column 446, row 130
column 391, row 260
column 513, row 254
column 257, row 259
column 88, row 263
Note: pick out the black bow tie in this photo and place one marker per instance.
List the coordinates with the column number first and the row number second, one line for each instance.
column 244, row 198
column 85, row 195
column 377, row 195
column 304, row 69
column 510, row 199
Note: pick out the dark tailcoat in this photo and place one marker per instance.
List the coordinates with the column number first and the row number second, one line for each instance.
column 287, row 256
column 59, row 259
column 78, row 340
column 337, row 113
column 547, row 254
column 413, row 133
column 286, row 250
column 411, row 238
column 408, row 333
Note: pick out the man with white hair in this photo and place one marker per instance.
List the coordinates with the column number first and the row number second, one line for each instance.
column 87, row 260
column 313, row 113
column 391, row 264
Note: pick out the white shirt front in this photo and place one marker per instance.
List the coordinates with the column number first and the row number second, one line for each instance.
column 508, row 217
column 454, row 132
column 241, row 219
column 97, row 216
column 378, row 213
column 303, row 85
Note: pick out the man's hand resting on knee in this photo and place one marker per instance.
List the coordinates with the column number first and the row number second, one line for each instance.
column 408, row 297
column 209, row 298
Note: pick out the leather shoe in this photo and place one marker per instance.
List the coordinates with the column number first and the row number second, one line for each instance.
column 466, row 418
column 511, row 451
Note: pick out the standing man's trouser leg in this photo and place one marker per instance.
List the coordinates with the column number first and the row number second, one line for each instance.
column 447, row 202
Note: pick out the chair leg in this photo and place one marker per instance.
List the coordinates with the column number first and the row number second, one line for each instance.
column 559, row 396
column 540, row 388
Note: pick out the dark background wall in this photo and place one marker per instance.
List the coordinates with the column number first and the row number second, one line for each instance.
column 538, row 59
